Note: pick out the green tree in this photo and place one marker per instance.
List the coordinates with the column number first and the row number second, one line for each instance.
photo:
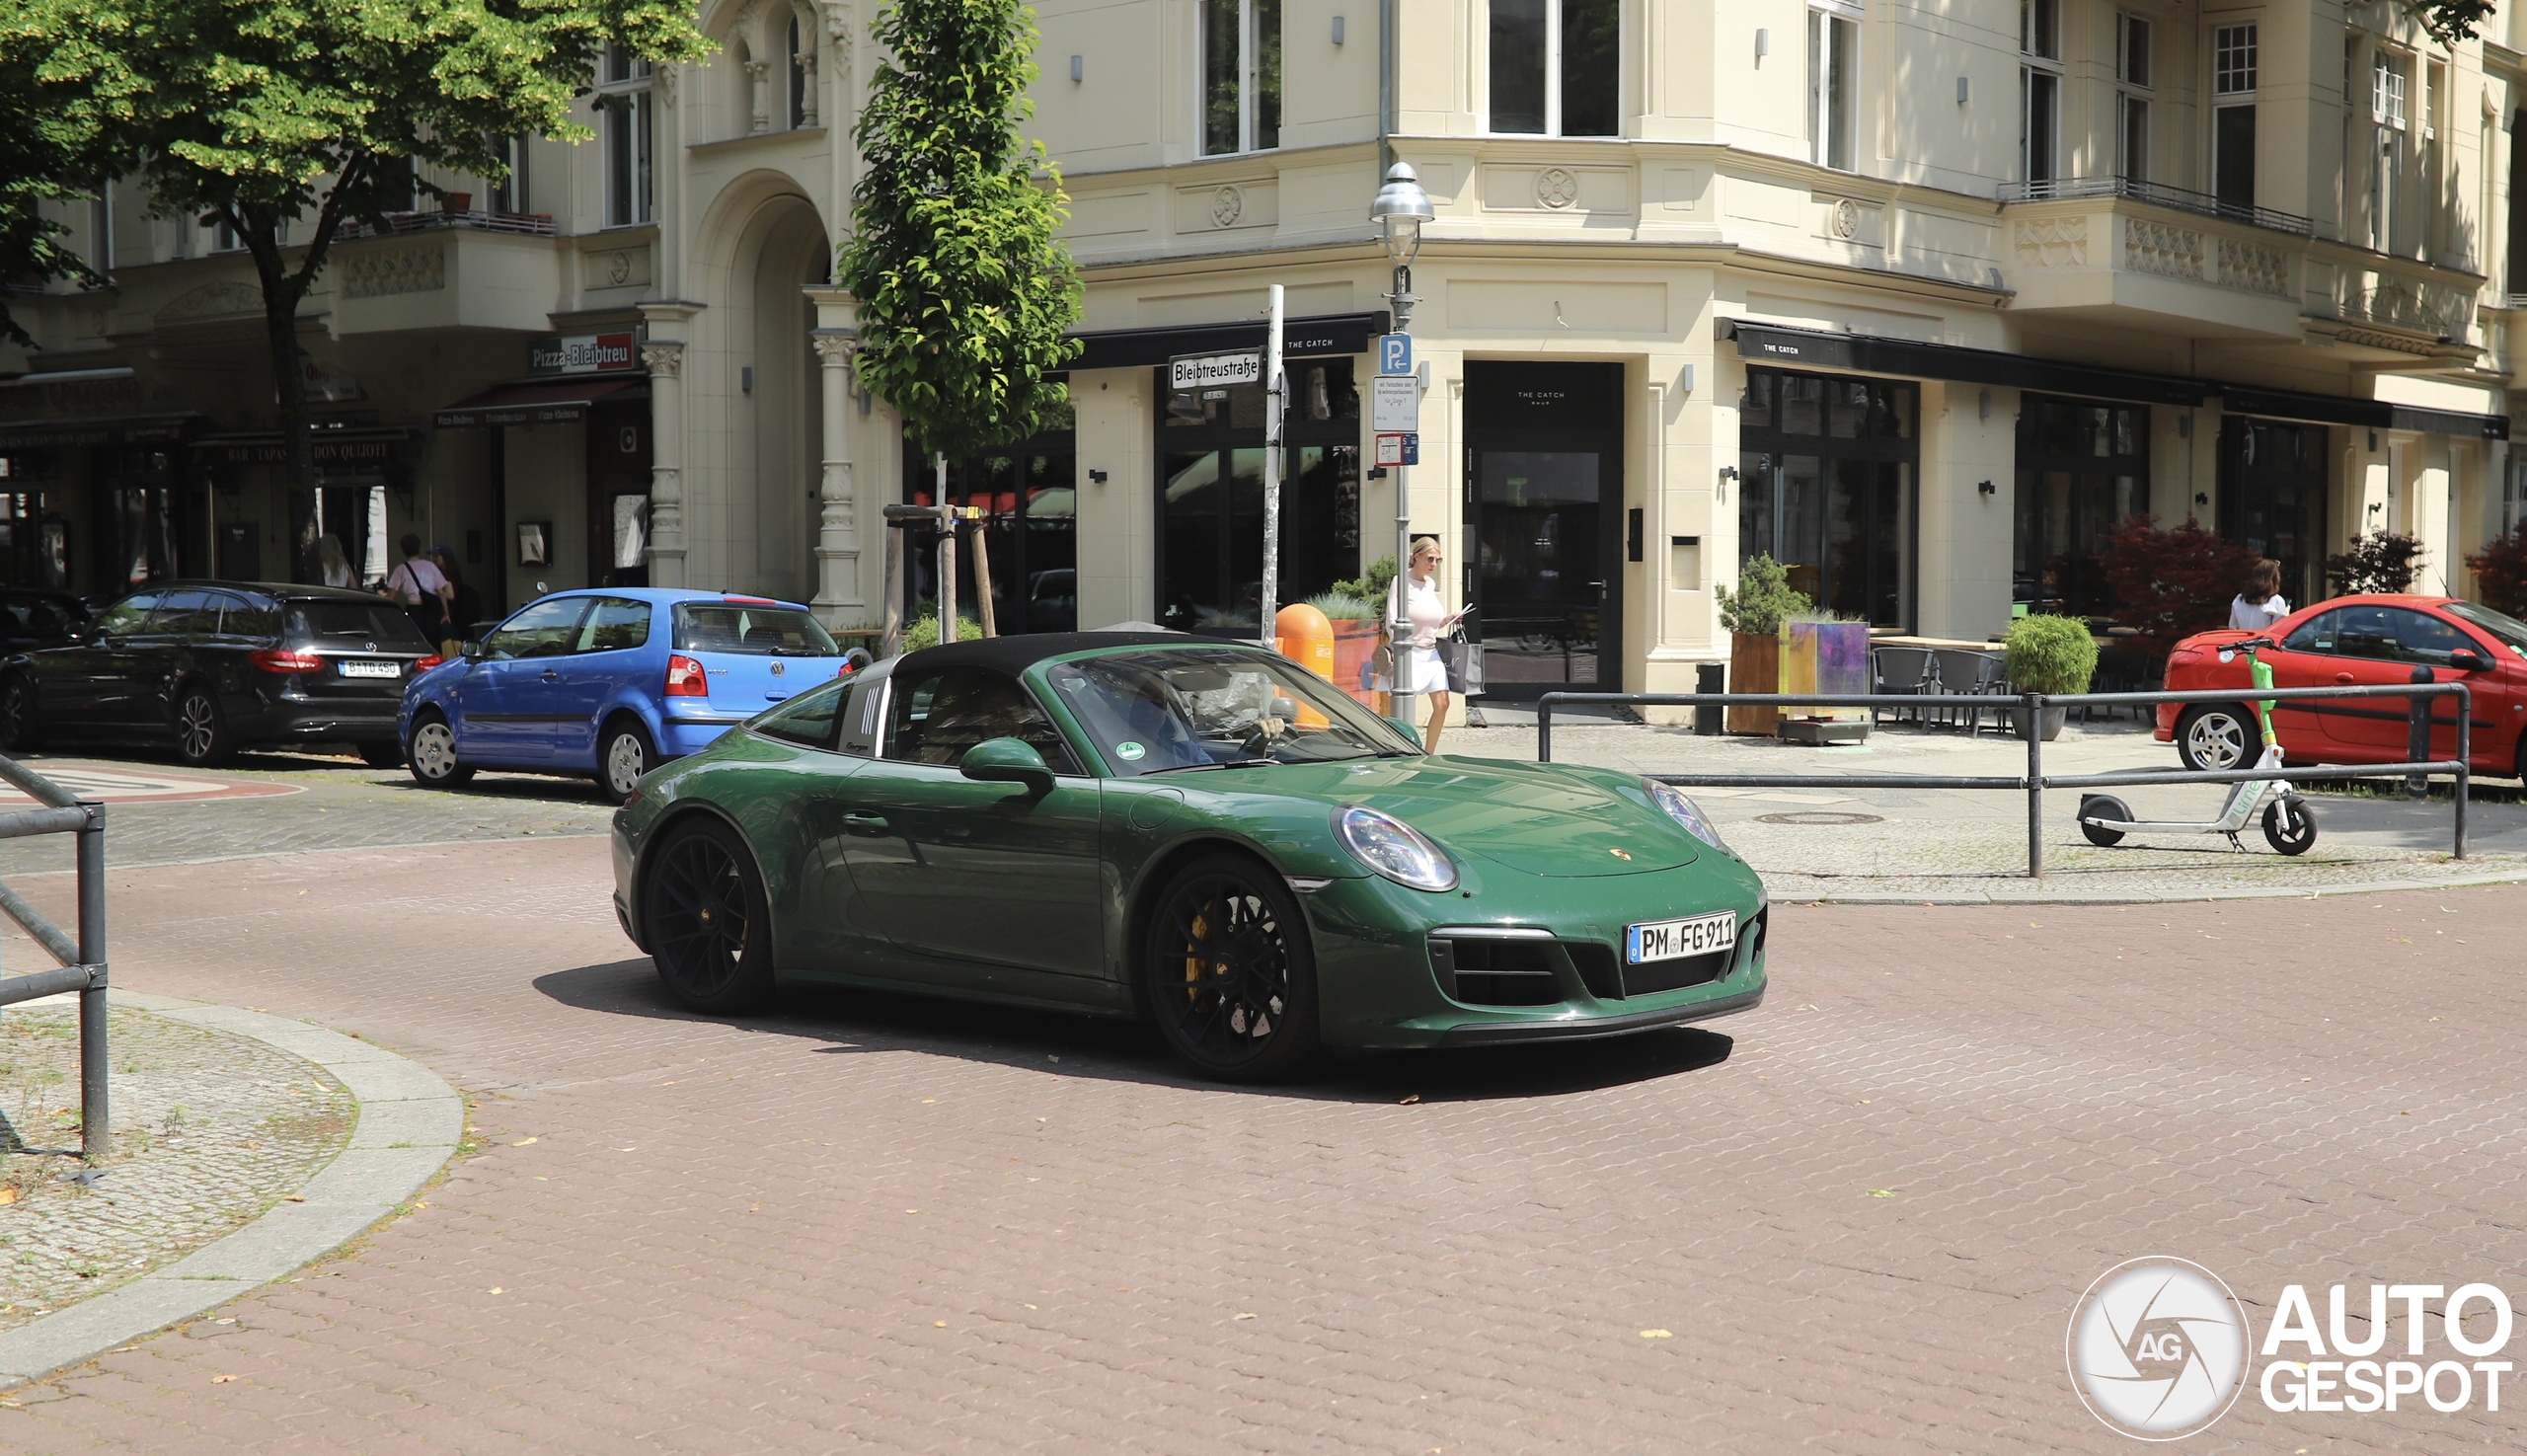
column 966, row 298
column 258, row 113
column 2450, row 21
column 49, row 153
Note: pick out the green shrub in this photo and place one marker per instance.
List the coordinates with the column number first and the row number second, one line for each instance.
column 2050, row 655
column 1342, row 606
column 924, row 630
column 2172, row 584
column 1762, row 600
column 2381, row 560
column 1371, row 585
column 2500, row 572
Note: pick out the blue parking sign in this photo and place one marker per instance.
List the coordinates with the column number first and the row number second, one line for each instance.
column 1395, row 354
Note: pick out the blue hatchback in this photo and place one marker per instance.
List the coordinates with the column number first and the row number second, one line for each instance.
column 611, row 683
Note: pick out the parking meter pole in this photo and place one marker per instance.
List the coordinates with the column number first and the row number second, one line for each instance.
column 2030, row 714
column 1267, row 632
column 947, row 557
column 95, row 1125
column 2464, row 760
column 2417, row 713
column 1399, row 630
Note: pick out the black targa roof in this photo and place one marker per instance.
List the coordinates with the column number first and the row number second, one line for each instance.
column 1015, row 654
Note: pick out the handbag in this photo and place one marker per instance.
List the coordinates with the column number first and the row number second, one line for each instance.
column 1464, row 661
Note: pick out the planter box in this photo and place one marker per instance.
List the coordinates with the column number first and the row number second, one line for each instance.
column 1754, row 666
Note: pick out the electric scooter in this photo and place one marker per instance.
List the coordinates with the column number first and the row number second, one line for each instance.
column 2289, row 825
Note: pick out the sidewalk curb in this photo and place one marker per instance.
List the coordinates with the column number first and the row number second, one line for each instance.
column 409, row 1125
column 2126, row 898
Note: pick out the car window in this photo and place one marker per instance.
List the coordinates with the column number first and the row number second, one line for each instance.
column 128, row 615
column 764, row 631
column 2316, row 634
column 1177, row 708
column 185, row 614
column 353, row 627
column 242, row 618
column 938, row 716
column 614, row 624
column 2503, row 627
column 808, row 718
column 52, row 619
column 2423, row 638
column 2366, row 631
column 542, row 630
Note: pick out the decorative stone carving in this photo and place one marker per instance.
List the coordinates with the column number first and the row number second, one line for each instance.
column 213, row 300
column 838, row 28
column 2157, row 248
column 1845, row 219
column 1228, row 204
column 666, row 356
column 2054, row 242
column 377, row 272
column 1557, row 186
column 665, row 73
column 835, row 349
column 2254, row 268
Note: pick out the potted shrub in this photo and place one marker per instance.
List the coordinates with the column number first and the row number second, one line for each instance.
column 1753, row 615
column 2049, row 655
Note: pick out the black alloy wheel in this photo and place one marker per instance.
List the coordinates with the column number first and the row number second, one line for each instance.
column 623, row 755
column 21, row 721
column 201, row 729
column 431, row 754
column 2219, row 736
column 1230, row 974
column 2289, row 825
column 2103, row 806
column 709, row 921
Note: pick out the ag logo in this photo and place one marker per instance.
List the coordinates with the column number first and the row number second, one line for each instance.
column 2158, row 1349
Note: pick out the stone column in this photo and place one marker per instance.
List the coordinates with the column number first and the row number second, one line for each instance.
column 839, row 600
column 807, row 78
column 665, row 359
column 758, row 87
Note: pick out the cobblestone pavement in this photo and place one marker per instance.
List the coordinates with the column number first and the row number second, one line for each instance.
column 1832, row 842
column 1860, row 1215
column 209, row 1132
column 341, row 805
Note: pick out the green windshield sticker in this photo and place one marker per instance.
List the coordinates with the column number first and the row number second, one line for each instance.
column 1129, row 752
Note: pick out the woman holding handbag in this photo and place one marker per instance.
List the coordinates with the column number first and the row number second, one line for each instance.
column 1416, row 618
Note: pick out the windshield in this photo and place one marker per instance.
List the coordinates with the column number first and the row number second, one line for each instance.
column 1190, row 708
column 355, row 626
column 749, row 631
column 2506, row 630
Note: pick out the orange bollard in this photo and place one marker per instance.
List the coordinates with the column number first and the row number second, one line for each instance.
column 1307, row 639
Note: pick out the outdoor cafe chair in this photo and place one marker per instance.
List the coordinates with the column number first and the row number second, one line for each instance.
column 1971, row 674
column 1902, row 670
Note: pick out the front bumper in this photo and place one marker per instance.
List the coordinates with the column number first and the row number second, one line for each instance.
column 1378, row 986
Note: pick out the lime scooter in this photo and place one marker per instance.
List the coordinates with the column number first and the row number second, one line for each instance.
column 2289, row 825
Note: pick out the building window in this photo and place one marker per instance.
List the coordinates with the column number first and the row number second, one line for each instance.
column 1210, row 496
column 2233, row 83
column 2081, row 467
column 1826, row 470
column 1557, row 67
column 1241, row 76
column 622, row 91
column 1028, row 498
column 2435, row 164
column 1833, row 84
column 508, row 194
column 2388, row 125
column 2132, row 102
column 2039, row 90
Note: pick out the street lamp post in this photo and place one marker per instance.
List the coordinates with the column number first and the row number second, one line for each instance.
column 1399, row 210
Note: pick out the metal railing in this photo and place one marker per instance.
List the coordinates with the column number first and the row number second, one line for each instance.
column 2031, row 708
column 83, row 960
column 2182, row 199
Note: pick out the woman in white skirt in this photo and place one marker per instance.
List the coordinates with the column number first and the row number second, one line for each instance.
column 1423, row 618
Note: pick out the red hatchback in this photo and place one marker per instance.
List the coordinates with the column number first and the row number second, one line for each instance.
column 2364, row 640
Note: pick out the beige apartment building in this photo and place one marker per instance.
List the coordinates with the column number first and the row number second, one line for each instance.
column 1918, row 300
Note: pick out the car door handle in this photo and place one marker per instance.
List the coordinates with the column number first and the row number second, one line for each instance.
column 549, row 675
column 2343, row 678
column 860, row 823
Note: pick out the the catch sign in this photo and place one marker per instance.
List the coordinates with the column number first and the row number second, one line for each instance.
column 1188, row 372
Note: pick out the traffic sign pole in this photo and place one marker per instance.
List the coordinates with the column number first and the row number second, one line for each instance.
column 1274, row 402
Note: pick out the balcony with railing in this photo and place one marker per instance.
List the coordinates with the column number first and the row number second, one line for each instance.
column 2159, row 194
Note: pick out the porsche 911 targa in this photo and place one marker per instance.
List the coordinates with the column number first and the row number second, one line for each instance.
column 1195, row 832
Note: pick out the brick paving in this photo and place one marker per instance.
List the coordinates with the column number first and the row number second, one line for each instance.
column 881, row 1223
column 210, row 1129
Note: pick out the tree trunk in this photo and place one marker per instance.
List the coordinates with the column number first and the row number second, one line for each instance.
column 289, row 382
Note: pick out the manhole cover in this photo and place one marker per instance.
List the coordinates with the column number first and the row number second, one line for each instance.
column 1818, row 816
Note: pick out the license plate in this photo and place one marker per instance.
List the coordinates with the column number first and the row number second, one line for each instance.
column 1665, row 940
column 371, row 669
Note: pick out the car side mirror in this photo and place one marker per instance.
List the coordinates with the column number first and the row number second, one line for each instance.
column 1007, row 761
column 2467, row 661
column 471, row 651
column 1406, row 729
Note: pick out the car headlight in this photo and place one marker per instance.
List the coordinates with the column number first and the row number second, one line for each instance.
column 1684, row 811
column 1394, row 849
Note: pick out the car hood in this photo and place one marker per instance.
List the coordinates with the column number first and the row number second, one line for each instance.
column 1533, row 817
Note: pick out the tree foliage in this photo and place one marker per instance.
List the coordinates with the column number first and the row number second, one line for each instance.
column 2381, row 560
column 261, row 112
column 2450, row 21
column 2500, row 572
column 2172, row 584
column 965, row 295
column 1763, row 598
column 49, row 153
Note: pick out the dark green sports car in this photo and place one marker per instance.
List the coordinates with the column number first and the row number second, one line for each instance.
column 1196, row 832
